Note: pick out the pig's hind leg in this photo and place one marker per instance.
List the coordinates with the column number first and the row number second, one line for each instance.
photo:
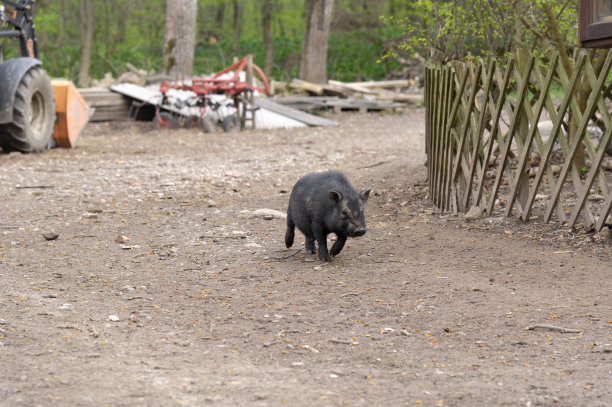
column 289, row 233
column 338, row 245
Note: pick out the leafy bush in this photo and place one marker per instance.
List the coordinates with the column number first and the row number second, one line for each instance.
column 352, row 56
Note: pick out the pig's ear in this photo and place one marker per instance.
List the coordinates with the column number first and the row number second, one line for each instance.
column 364, row 194
column 334, row 197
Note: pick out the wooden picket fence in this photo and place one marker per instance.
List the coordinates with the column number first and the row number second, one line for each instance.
column 483, row 139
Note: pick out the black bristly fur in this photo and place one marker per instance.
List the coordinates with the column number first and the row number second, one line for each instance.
column 322, row 203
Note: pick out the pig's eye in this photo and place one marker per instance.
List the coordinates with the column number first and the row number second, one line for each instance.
column 344, row 214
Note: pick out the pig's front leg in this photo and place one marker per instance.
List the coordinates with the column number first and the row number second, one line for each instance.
column 317, row 231
column 337, row 247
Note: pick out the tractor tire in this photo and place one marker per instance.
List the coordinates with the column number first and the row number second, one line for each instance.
column 209, row 124
column 231, row 124
column 31, row 130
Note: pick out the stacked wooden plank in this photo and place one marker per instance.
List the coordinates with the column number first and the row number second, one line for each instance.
column 108, row 105
column 341, row 96
column 293, row 113
column 308, row 103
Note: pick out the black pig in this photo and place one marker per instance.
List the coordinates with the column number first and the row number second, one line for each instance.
column 322, row 203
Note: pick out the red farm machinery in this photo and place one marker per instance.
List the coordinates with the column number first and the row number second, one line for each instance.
column 225, row 99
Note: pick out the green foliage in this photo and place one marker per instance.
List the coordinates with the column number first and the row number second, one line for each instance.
column 133, row 31
column 566, row 14
column 125, row 31
column 458, row 29
column 352, row 56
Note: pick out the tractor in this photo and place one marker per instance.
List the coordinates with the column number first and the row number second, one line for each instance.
column 27, row 107
column 36, row 113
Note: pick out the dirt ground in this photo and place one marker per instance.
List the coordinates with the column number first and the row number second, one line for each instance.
column 166, row 287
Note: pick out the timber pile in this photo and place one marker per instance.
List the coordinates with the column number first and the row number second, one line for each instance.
column 340, row 96
column 308, row 103
column 108, row 105
column 337, row 96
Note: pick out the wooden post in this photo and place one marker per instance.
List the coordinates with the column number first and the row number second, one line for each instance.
column 248, row 100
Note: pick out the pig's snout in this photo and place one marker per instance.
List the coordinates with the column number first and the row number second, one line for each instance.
column 359, row 232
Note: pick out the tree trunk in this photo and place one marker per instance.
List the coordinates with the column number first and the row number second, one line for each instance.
column 313, row 66
column 237, row 26
column 220, row 16
column 179, row 41
column 518, row 26
column 87, row 31
column 267, row 35
column 114, row 21
column 582, row 92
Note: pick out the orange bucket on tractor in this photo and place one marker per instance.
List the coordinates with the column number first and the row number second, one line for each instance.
column 72, row 113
